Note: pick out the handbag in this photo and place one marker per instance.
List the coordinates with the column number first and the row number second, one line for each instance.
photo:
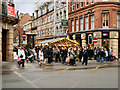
column 21, row 56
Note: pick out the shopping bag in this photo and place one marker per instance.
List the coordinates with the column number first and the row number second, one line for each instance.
column 19, row 59
column 67, row 60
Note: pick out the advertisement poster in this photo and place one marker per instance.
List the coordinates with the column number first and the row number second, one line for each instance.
column 10, row 10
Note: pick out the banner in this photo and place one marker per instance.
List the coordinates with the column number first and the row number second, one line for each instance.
column 10, row 10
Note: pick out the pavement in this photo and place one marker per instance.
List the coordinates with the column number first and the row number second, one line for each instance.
column 58, row 66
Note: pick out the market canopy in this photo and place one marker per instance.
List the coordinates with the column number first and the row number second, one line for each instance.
column 64, row 42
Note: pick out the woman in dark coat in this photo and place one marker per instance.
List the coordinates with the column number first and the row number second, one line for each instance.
column 80, row 54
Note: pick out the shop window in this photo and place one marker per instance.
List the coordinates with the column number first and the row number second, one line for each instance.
column 72, row 25
column 76, row 24
column 81, row 24
column 81, row 3
column 118, row 20
column 92, row 22
column 77, row 4
column 86, row 22
column 86, row 2
column 105, row 18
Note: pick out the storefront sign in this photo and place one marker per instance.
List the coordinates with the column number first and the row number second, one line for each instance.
column 11, row 10
column 65, row 23
column 105, row 34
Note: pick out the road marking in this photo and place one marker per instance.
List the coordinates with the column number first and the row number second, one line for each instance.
column 52, row 74
column 33, row 85
column 63, row 70
column 11, row 69
column 95, row 69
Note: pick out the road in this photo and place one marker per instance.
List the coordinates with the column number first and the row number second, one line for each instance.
column 59, row 76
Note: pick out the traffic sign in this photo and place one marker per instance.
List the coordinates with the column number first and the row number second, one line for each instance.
column 95, row 40
column 24, row 35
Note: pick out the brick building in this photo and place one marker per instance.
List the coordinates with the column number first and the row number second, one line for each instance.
column 100, row 19
column 23, row 19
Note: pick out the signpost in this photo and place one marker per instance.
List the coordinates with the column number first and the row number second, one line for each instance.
column 24, row 35
column 95, row 40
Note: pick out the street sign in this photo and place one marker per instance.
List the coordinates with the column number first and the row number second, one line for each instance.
column 64, row 23
column 24, row 35
column 95, row 40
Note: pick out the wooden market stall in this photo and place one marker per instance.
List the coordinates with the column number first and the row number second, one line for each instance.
column 64, row 42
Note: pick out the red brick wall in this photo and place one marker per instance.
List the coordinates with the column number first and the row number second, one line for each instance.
column 112, row 8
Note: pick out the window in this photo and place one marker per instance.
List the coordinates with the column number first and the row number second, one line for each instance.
column 81, row 24
column 77, row 4
column 92, row 22
column 86, row 22
column 51, row 17
column 105, row 19
column 81, row 3
column 72, row 5
column 118, row 20
column 48, row 18
column 86, row 2
column 77, row 25
column 92, row 1
column 72, row 25
column 45, row 20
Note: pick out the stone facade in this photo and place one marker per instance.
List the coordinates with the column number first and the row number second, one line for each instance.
column 9, row 41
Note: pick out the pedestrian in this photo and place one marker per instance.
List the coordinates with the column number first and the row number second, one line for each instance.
column 80, row 54
column 102, row 55
column 21, row 54
column 41, row 57
column 98, row 54
column 63, row 54
column 15, row 52
column 90, row 53
column 57, row 55
column 30, row 55
column 51, row 53
column 95, row 52
column 106, row 54
column 85, row 57
column 72, row 57
column 110, row 54
column 45, row 51
column 37, row 51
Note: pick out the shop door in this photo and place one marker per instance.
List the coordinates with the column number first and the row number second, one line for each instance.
column 4, row 34
column 119, row 45
column 105, row 43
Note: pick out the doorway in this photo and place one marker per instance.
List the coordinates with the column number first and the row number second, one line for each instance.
column 4, row 40
column 105, row 43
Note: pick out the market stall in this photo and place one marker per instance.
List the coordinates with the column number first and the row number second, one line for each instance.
column 64, row 42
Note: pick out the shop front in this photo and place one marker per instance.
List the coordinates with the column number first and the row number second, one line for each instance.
column 106, row 38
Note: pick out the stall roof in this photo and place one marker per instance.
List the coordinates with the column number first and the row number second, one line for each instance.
column 48, row 41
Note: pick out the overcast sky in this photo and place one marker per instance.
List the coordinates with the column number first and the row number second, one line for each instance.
column 25, row 6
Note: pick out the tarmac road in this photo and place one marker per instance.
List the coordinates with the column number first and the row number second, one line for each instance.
column 60, row 76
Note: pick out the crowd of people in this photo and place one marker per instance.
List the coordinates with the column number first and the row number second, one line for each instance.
column 65, row 55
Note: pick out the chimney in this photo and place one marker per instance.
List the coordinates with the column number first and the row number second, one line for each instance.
column 36, row 13
column 33, row 16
